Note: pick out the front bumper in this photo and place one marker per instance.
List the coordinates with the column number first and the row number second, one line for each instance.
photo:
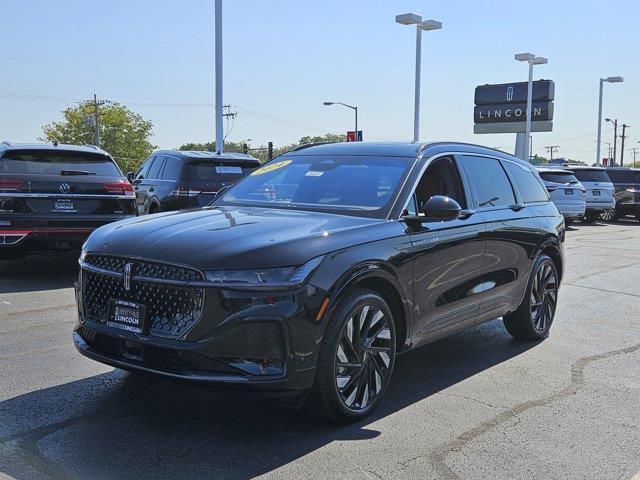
column 241, row 340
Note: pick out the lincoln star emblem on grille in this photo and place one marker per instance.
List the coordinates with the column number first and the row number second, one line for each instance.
column 509, row 93
column 65, row 188
column 127, row 276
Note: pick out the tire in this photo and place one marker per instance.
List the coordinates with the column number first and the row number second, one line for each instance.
column 153, row 208
column 610, row 215
column 534, row 316
column 568, row 222
column 350, row 392
column 589, row 217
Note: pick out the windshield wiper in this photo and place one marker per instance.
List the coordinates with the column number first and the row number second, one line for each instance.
column 76, row 172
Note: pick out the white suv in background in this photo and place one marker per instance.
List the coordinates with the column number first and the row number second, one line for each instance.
column 565, row 191
column 599, row 189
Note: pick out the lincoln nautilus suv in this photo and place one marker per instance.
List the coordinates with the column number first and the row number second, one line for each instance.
column 311, row 274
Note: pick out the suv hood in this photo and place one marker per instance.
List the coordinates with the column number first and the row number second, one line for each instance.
column 231, row 238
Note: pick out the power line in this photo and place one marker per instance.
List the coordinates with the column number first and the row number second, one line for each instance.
column 552, row 149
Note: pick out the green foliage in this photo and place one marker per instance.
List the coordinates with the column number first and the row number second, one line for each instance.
column 262, row 152
column 123, row 133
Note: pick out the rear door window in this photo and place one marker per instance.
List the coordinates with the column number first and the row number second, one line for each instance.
column 154, row 169
column 527, row 182
column 144, row 170
column 489, row 181
column 58, row 163
column 595, row 175
column 172, row 168
column 558, row 177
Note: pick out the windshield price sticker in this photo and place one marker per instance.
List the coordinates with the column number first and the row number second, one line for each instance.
column 270, row 167
column 313, row 173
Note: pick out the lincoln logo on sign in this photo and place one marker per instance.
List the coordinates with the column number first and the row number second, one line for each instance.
column 509, row 93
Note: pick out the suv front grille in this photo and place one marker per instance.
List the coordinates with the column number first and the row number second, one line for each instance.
column 171, row 310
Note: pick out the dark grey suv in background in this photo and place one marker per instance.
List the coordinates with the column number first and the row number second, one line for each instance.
column 176, row 179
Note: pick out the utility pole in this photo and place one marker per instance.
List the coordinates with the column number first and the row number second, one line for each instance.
column 96, row 120
column 551, row 149
column 623, row 136
column 635, row 153
column 615, row 139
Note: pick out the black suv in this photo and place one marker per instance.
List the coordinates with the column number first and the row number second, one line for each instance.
column 627, row 192
column 309, row 275
column 176, row 180
column 53, row 196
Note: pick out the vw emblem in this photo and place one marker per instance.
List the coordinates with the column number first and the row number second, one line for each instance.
column 65, row 188
column 127, row 276
column 509, row 93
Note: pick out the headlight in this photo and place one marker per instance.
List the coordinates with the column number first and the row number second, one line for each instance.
column 286, row 276
column 83, row 255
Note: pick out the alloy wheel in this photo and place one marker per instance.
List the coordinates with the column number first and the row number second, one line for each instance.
column 364, row 357
column 608, row 215
column 544, row 295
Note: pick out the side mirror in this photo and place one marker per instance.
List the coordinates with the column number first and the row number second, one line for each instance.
column 441, row 209
column 131, row 176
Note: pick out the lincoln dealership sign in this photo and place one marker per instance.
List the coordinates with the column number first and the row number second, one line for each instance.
column 502, row 108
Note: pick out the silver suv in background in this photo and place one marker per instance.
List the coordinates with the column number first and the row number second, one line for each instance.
column 566, row 192
column 599, row 191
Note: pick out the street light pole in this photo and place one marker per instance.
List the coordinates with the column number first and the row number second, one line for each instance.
column 602, row 80
column 532, row 60
column 352, row 107
column 413, row 19
column 218, row 61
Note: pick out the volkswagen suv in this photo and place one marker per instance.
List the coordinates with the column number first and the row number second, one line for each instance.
column 308, row 276
column 53, row 196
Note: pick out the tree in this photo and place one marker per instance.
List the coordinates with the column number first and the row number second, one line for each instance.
column 261, row 152
column 123, row 133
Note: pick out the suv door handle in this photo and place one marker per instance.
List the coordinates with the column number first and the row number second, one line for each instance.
column 517, row 207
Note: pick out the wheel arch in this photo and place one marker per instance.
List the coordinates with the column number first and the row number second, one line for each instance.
column 552, row 249
column 380, row 279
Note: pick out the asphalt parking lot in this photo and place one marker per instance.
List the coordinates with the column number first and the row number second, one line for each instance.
column 477, row 405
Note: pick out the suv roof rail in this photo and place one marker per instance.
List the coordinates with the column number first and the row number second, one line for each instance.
column 7, row 142
column 307, row 145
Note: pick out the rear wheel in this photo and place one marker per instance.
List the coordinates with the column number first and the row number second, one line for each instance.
column 589, row 217
column 153, row 208
column 533, row 318
column 568, row 221
column 610, row 215
column 356, row 358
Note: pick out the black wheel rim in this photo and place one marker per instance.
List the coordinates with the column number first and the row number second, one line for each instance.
column 607, row 215
column 544, row 295
column 364, row 357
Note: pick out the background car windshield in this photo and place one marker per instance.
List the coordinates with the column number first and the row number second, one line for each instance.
column 595, row 175
column 323, row 182
column 558, row 177
column 58, row 163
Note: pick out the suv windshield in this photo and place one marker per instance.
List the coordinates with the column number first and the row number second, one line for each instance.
column 57, row 163
column 591, row 175
column 558, row 177
column 365, row 185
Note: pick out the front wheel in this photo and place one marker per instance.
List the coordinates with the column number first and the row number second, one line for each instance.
column 533, row 318
column 356, row 358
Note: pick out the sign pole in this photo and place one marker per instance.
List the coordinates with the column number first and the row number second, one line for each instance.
column 529, row 113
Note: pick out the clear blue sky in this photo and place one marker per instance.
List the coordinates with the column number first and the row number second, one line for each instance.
column 283, row 58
